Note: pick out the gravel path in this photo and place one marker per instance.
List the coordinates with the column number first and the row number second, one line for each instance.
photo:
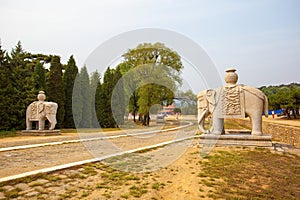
column 20, row 161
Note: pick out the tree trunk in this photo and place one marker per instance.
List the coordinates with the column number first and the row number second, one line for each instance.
column 294, row 113
column 145, row 120
column 148, row 119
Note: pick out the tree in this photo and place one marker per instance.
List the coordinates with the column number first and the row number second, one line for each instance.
column 55, row 88
column 285, row 97
column 39, row 76
column 71, row 71
column 117, row 98
column 156, row 62
column 177, row 110
column 86, row 120
column 22, row 85
column 95, row 83
column 188, row 101
column 6, row 90
column 106, row 119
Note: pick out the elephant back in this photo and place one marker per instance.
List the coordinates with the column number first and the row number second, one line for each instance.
column 51, row 107
column 254, row 91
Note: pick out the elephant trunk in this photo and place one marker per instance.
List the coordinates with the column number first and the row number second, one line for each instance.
column 201, row 122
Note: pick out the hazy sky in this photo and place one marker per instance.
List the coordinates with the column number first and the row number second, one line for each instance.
column 261, row 38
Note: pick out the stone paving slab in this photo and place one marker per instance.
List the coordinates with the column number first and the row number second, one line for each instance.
column 238, row 139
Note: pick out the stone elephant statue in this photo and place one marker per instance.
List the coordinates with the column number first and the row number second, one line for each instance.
column 234, row 101
column 40, row 111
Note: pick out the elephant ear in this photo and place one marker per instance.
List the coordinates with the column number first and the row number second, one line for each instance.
column 211, row 96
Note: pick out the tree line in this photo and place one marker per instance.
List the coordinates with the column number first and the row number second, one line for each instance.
column 286, row 97
column 23, row 74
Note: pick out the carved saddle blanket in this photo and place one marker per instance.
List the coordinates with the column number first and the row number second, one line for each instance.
column 233, row 102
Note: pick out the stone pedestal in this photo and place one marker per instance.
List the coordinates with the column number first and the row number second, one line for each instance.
column 237, row 139
column 41, row 132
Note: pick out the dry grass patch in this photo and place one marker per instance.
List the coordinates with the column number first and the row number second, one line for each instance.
column 252, row 174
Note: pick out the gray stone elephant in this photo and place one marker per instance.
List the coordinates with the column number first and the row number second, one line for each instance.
column 231, row 101
column 41, row 111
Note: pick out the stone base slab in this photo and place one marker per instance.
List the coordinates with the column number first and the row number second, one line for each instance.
column 41, row 133
column 236, row 139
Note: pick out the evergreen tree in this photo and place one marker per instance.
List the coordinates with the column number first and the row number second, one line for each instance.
column 77, row 101
column 95, row 82
column 71, row 71
column 117, row 99
column 86, row 120
column 39, row 76
column 22, row 84
column 100, row 104
column 55, row 89
column 106, row 119
column 6, row 90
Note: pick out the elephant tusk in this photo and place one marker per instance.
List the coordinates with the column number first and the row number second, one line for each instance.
column 201, row 123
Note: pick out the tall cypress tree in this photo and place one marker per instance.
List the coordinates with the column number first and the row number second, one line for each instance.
column 118, row 97
column 95, row 81
column 106, row 119
column 6, row 90
column 69, row 77
column 55, row 88
column 39, row 76
column 86, row 119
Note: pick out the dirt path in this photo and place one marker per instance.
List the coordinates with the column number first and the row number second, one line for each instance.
column 287, row 122
column 20, row 161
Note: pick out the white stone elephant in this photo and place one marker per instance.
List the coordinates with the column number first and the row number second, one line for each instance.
column 229, row 102
column 41, row 111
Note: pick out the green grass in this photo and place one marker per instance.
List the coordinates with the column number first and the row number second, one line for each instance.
column 157, row 185
column 137, row 191
column 4, row 134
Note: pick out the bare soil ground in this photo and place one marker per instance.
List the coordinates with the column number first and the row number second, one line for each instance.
column 225, row 173
column 283, row 121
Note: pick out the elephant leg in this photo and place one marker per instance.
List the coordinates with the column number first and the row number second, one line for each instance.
column 52, row 121
column 28, row 124
column 41, row 124
column 256, row 122
column 218, row 125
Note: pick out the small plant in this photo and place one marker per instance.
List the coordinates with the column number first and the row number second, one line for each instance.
column 125, row 196
column 85, row 194
column 137, row 191
column 12, row 193
column 202, row 175
column 157, row 185
column 89, row 170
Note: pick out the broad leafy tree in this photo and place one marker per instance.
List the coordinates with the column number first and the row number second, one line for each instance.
column 188, row 101
column 154, row 61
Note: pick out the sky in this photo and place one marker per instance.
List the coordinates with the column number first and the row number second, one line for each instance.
column 260, row 38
